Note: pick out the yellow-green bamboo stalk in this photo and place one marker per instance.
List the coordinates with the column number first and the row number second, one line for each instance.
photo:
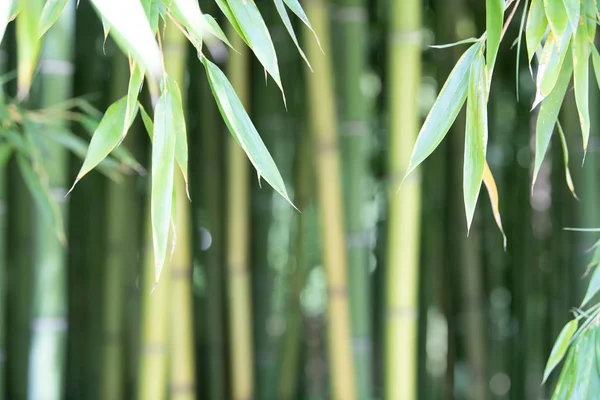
column 181, row 385
column 323, row 118
column 238, row 216
column 401, row 305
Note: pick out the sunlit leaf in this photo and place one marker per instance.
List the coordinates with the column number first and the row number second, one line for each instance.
column 536, row 27
column 242, row 128
column 181, row 146
column 151, row 9
column 589, row 18
column 215, row 30
column 490, row 185
column 128, row 20
column 560, row 347
column 557, row 16
column 148, row 124
column 296, row 8
column 593, row 287
column 596, row 64
column 573, row 9
column 50, row 14
column 289, row 27
column 28, row 43
column 567, row 379
column 550, row 65
column 226, row 10
column 188, row 14
column 565, row 149
column 444, row 110
column 163, row 164
column 597, row 349
column 458, row 43
column 136, row 78
column 581, row 79
column 494, row 16
column 476, row 136
column 5, row 8
column 40, row 191
column 548, row 115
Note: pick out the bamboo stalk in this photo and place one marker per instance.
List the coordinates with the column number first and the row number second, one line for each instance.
column 238, row 216
column 324, row 129
column 49, row 319
column 404, row 207
column 182, row 363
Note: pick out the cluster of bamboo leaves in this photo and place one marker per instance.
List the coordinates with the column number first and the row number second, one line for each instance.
column 560, row 36
column 137, row 27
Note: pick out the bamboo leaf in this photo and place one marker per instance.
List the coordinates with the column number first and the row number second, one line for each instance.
column 566, row 381
column 288, row 26
column 40, row 191
column 565, row 149
column 128, row 20
column 50, row 14
column 214, row 29
column 226, row 10
column 581, row 79
column 550, row 65
column 256, row 36
column 296, row 8
column 444, row 110
column 560, row 347
column 458, row 43
column 136, row 79
column 5, row 12
column 107, row 136
column 596, row 64
column 181, row 146
column 476, row 136
column 28, row 43
column 163, row 160
column 573, row 9
column 151, row 9
column 188, row 14
column 548, row 115
column 148, row 124
column 536, row 27
column 6, row 151
column 490, row 185
column 242, row 129
column 589, row 18
column 597, row 349
column 593, row 287
column 557, row 16
column 494, row 17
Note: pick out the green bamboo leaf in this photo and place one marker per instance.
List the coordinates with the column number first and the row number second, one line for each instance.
column 494, row 17
column 181, row 146
column 581, row 78
column 553, row 67
column 476, row 136
column 163, row 164
column 457, row 43
column 37, row 184
column 136, row 79
column 536, row 27
column 519, row 43
column 151, row 9
column 593, row 287
column 5, row 12
column 50, row 14
column 148, row 124
column 188, row 14
column 256, row 36
column 214, row 29
column 242, row 128
column 573, row 11
column 444, row 110
column 565, row 149
column 288, row 26
column 596, row 64
column 548, row 115
column 226, row 10
column 589, row 16
column 597, row 349
column 107, row 136
column 297, row 9
column 560, row 347
column 567, row 379
column 557, row 16
column 28, row 43
column 131, row 29
column 490, row 184
column 6, row 150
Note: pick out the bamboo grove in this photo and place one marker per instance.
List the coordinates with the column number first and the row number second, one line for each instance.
column 276, row 199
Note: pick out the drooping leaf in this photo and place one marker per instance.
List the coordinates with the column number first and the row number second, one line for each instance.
column 148, row 124
column 181, row 146
column 565, row 149
column 597, row 349
column 596, row 64
column 494, row 17
column 131, row 30
column 242, row 129
column 490, row 185
column 136, row 78
column 589, row 18
column 6, row 151
column 444, row 110
column 560, row 347
column 188, row 14
column 581, row 79
column 289, row 27
column 226, row 10
column 593, row 287
column 50, row 14
column 550, row 65
column 107, row 136
column 548, row 115
column 476, row 135
column 256, row 36
column 535, row 29
column 557, row 16
column 457, row 43
column 163, row 164
column 573, row 9
column 297, row 9
column 519, row 42
column 215, row 30
column 28, row 43
column 40, row 191
column 566, row 381
column 151, row 9
column 5, row 11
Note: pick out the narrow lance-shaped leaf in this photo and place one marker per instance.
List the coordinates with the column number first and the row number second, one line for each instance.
column 597, row 349
column 181, row 146
column 214, row 29
column 226, row 10
column 50, row 14
column 28, row 43
column 290, row 28
column 476, row 136
column 552, row 66
column 536, row 27
column 518, row 57
column 494, row 16
column 242, row 128
column 151, row 9
column 593, row 287
column 548, row 115
column 188, row 14
column 581, row 79
column 5, row 8
column 490, row 185
column 297, row 9
column 136, row 79
column 453, row 44
column 560, row 347
column 148, row 124
column 40, row 191
column 132, row 31
column 444, row 110
column 573, row 9
column 596, row 64
column 163, row 164
column 567, row 379
column 565, row 149
column 557, row 16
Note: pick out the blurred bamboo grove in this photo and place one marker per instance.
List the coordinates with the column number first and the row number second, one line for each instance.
column 367, row 292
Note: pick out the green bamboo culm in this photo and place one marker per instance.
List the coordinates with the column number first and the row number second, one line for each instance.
column 49, row 319
column 352, row 31
column 401, row 303
column 238, row 218
column 322, row 114
column 182, row 365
